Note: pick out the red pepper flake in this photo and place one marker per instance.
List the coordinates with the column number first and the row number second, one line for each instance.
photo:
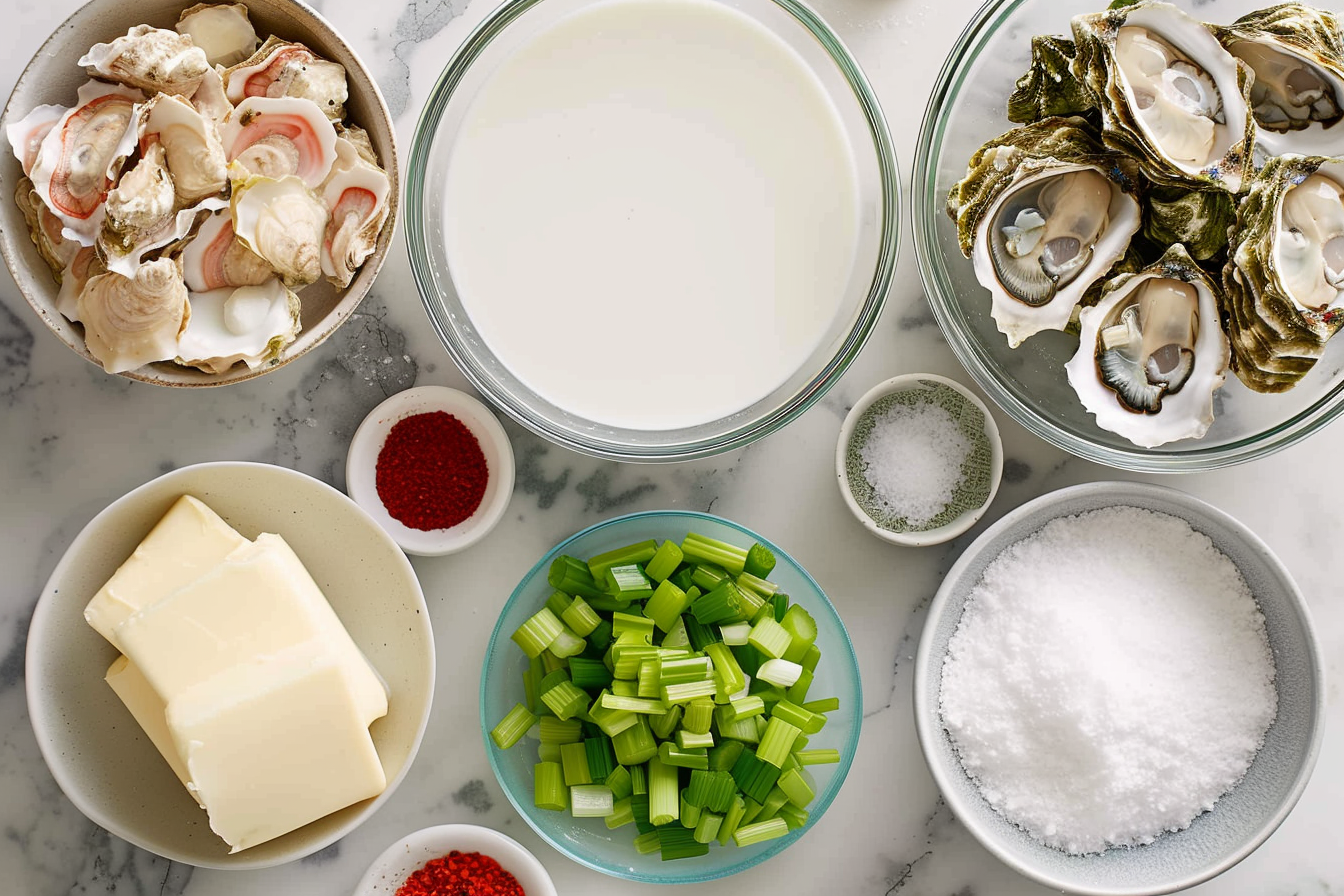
column 431, row 472
column 461, row 874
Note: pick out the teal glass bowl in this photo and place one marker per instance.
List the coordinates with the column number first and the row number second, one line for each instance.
column 587, row 840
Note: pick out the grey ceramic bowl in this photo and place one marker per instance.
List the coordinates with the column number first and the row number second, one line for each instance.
column 52, row 77
column 1242, row 819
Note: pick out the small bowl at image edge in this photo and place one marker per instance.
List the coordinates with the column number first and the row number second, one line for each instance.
column 361, row 466
column 52, row 77
column 966, row 108
column 981, row 471
column 390, row 870
column 98, row 754
column 587, row 840
column 1243, row 818
column 505, row 30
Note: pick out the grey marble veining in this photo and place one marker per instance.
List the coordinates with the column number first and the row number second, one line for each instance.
column 73, row 439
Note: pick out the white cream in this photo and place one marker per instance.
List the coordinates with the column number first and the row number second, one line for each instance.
column 652, row 212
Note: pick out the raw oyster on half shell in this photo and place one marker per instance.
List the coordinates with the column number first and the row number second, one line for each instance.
column 1151, row 353
column 275, row 138
column 1284, row 277
column 283, row 68
column 133, row 321
column 1297, row 54
column 151, row 59
column 284, row 223
column 356, row 195
column 251, row 324
column 1170, row 96
column 1044, row 212
column 216, row 259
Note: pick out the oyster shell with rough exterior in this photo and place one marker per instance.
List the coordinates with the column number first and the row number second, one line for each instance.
column 279, row 137
column 282, row 68
column 1044, row 212
column 251, row 324
column 194, row 153
column 1170, row 96
column 133, row 321
column 1199, row 219
column 44, row 228
column 1152, row 353
column 222, row 30
column 151, row 59
column 85, row 264
column 1297, row 54
column 283, row 222
column 356, row 196
column 1284, row 277
column 216, row 259
column 1049, row 87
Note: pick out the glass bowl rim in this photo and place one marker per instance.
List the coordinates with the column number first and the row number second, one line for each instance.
column 687, row 449
column 848, row 749
column 927, row 205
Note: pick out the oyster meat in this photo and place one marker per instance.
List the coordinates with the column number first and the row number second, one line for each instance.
column 279, row 137
column 1170, row 96
column 133, row 321
column 251, row 324
column 151, row 59
column 281, row 68
column 81, row 156
column 356, row 196
column 1151, row 353
column 1284, row 277
column 222, row 30
column 1044, row 212
column 1297, row 54
column 284, row 223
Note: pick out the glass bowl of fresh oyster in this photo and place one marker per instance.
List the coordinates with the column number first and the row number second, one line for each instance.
column 194, row 195
column 1130, row 223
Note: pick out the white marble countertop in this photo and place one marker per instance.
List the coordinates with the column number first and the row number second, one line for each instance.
column 73, row 439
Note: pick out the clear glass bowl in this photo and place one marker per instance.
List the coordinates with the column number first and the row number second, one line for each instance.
column 587, row 840
column 511, row 25
column 966, row 109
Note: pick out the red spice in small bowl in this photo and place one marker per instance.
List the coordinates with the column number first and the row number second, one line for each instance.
column 431, row 472
column 461, row 874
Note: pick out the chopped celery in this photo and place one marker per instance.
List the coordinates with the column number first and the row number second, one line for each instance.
column 664, row 561
column 735, row 632
column 702, row 549
column 683, row 578
column 779, row 672
column 639, row 781
column 672, row 755
column 797, row 692
column 621, row 813
column 776, row 741
column 803, row 629
column 707, row 578
column 647, row 678
column 548, row 752
column 632, row 704
column 723, row 755
column 708, row 827
column 797, row 716
column 572, row 576
column 723, row 604
column 537, row 633
column 684, row 669
column 688, row 815
column 647, row 842
column 781, row 604
column 798, row 785
column 628, row 583
column 676, row 636
column 512, row 727
column 793, row 816
column 548, row 787
column 588, row 674
column 811, row 658
column 686, row 691
column 731, row 818
column 745, row 708
column 574, row 759
column 754, row 777
column 558, row 602
column 698, row 716
column 665, row 724
column 676, row 842
column 772, row 804
column 666, row 605
column 760, row 831
column 565, row 700
column 618, row 779
column 632, row 622
column 581, row 618
column 760, row 560
column 699, row 634
column 601, row 758
column 829, row 704
column 817, row 757
column 591, row 801
column 770, row 638
column 664, row 794
column 624, row 688
column 762, row 587
column 632, row 554
column 635, row 744
column 557, row 731
column 689, row 740
column 727, row 670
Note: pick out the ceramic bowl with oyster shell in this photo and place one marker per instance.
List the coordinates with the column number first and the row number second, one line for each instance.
column 233, row 193
column 1130, row 223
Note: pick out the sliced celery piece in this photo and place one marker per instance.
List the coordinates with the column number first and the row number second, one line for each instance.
column 665, row 724
column 601, row 758
column 745, row 708
column 632, row 704
column 589, row 674
column 686, row 691
column 639, row 782
column 591, row 801
column 762, row 587
column 548, row 752
column 631, row 554
column 548, row 788
column 803, row 629
column 706, row 578
column 799, row 786
column 635, row 744
column 565, row 700
column 664, row 562
column 735, row 632
column 567, row 644
column 538, row 632
column 688, row 815
column 628, row 583
column 779, row 672
column 666, row 605
column 689, row 740
column 793, row 816
column 581, row 618
column 776, row 742
column 708, row 827
column 676, row 842
column 647, row 842
column 621, row 813
column 619, row 782
column 683, row 669
column 676, row 635
column 557, row 731
column 795, row 715
column 732, row 818
column 770, row 638
column 512, row 727
column 723, row 604
column 702, row 549
column 811, row 658
column 664, row 792
column 754, row 776
column 671, row 754
column 797, row 691
column 572, row 576
column 632, row 622
column 723, row 754
column 727, row 671
column 698, row 716
column 624, row 688
column 760, row 831
column 817, row 757
column 772, row 804
column 760, row 560
column 574, row 759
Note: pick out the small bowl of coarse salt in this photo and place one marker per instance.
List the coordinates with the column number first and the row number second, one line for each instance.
column 919, row 459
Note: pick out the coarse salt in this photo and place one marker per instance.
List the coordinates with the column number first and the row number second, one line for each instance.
column 1110, row 679
column 913, row 459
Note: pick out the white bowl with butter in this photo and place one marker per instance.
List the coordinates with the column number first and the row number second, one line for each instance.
column 113, row 770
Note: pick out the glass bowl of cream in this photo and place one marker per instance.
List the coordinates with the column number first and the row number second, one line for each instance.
column 653, row 230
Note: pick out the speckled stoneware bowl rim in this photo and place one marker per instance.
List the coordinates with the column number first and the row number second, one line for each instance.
column 1041, row 510
column 53, row 747
column 39, row 287
column 387, row 872
column 678, row 872
column 361, row 463
column 926, row 537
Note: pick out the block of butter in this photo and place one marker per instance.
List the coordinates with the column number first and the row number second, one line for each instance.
column 257, row 601
column 274, row 744
column 148, row 709
column 189, row 540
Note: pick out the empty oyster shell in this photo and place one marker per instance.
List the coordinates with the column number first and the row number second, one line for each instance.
column 1284, row 277
column 1049, row 88
column 195, row 155
column 26, row 135
column 281, row 68
column 209, row 98
column 279, row 137
column 356, row 197
column 133, row 321
column 284, row 223
column 1044, row 211
column 1170, row 96
column 44, row 228
column 85, row 264
column 150, row 58
column 1297, row 54
column 1151, row 353
column 81, row 156
column 222, row 30
column 251, row 324
column 216, row 259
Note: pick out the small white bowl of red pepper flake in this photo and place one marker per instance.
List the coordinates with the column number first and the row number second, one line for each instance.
column 434, row 467
column 456, row 858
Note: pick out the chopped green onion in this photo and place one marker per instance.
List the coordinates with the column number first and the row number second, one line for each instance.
column 664, row 794
column 760, row 560
column 572, row 576
column 581, row 618
column 770, row 638
column 512, row 727
column 702, row 549
column 548, row 787
column 664, row 562
column 537, row 633
column 591, row 801
column 628, row 583
column 631, row 554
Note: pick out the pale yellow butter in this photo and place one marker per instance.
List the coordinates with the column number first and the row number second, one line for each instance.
column 275, row 744
column 148, row 709
column 257, row 602
column 189, row 540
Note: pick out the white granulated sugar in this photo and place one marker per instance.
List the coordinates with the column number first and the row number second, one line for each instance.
column 913, row 459
column 1109, row 680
